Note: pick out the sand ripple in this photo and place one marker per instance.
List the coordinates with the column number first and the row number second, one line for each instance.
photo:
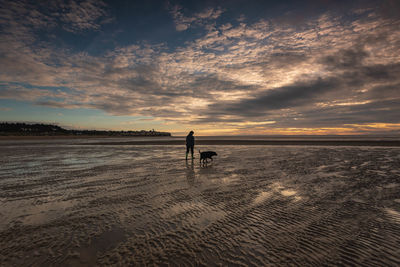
column 75, row 205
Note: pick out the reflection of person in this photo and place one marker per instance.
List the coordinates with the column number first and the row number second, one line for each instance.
column 189, row 144
column 190, row 174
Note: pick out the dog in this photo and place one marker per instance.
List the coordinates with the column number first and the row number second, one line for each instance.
column 207, row 155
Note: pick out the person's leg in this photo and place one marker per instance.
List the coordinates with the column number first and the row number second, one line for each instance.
column 191, row 150
column 187, row 151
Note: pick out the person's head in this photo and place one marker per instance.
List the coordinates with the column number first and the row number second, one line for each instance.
column 191, row 133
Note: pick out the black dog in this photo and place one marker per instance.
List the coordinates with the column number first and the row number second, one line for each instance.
column 207, row 155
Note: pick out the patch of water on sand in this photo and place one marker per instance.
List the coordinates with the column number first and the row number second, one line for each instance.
column 32, row 212
column 288, row 193
column 274, row 190
column 43, row 213
column 262, row 196
column 393, row 215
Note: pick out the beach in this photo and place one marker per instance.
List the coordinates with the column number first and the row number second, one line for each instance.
column 86, row 202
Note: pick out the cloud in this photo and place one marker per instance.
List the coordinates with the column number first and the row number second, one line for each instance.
column 331, row 72
column 279, row 98
column 12, row 91
column 183, row 22
column 22, row 19
column 56, row 104
column 345, row 58
column 334, row 116
column 86, row 15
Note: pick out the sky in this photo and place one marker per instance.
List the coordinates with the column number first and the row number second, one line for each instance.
column 230, row 67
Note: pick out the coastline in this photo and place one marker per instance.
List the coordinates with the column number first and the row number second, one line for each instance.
column 52, row 137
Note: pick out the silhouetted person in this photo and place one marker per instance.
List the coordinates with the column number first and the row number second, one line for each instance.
column 189, row 144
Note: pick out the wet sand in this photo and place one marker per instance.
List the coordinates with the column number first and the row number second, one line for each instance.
column 72, row 204
column 213, row 141
column 260, row 142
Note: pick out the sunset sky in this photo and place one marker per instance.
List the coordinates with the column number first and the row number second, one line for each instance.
column 215, row 67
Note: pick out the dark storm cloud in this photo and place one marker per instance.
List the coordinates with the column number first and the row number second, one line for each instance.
column 374, row 112
column 345, row 58
column 349, row 64
column 382, row 72
column 278, row 98
column 352, row 61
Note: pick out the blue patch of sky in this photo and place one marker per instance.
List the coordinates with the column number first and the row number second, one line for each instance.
column 26, row 111
column 22, row 111
column 148, row 23
column 134, row 23
column 88, row 41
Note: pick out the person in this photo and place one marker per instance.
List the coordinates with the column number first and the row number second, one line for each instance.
column 189, row 144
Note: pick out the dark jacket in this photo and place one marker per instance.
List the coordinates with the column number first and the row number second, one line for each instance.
column 190, row 140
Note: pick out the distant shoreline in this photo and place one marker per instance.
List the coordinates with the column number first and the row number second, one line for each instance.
column 15, row 129
column 51, row 137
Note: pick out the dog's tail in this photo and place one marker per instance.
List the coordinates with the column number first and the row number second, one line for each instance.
column 199, row 151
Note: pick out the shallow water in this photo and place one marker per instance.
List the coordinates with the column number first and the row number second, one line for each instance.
column 72, row 205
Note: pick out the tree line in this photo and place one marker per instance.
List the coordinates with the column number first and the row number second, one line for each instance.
column 39, row 129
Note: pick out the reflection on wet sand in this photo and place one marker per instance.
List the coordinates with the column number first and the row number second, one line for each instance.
column 190, row 174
